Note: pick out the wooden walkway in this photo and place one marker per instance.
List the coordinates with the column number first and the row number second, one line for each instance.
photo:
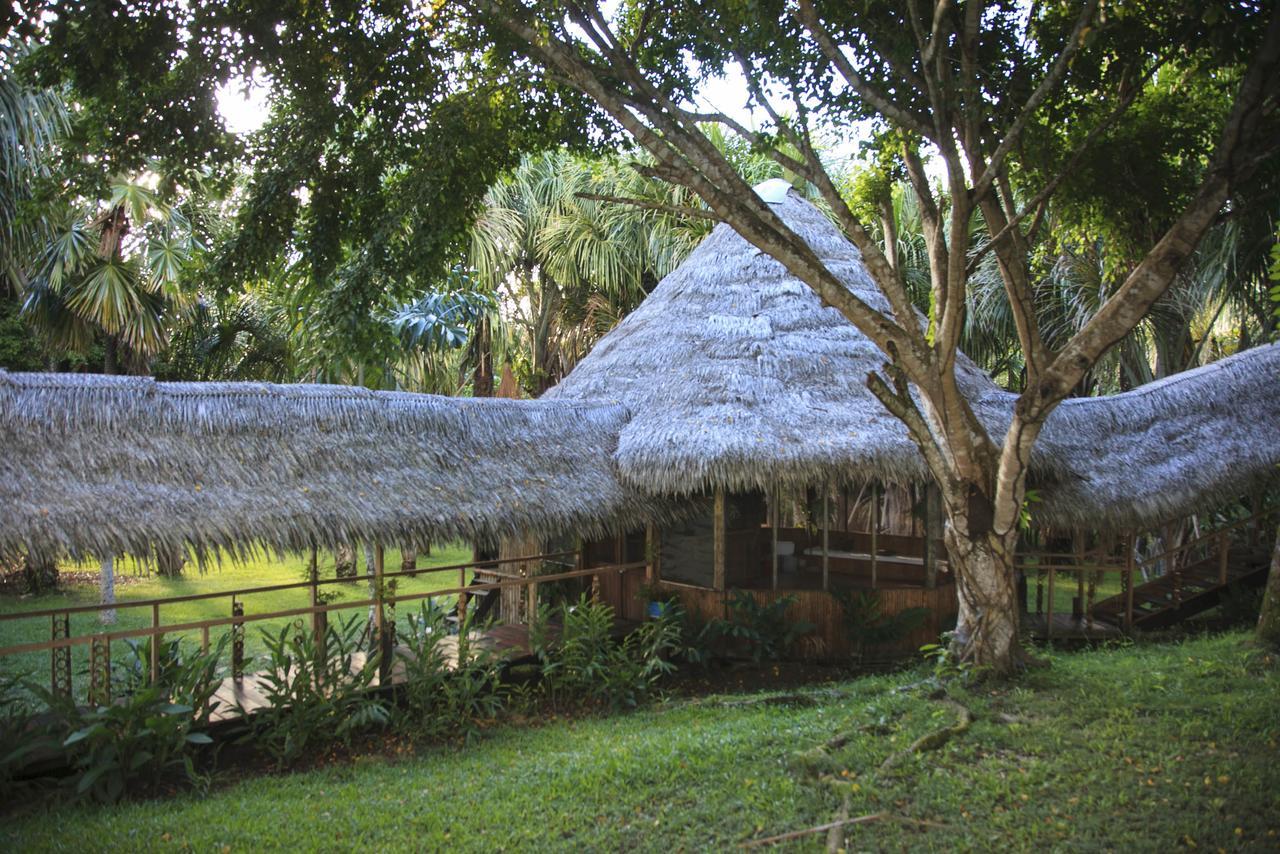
column 237, row 698
column 1067, row 627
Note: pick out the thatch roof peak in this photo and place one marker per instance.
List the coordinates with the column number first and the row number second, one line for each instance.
column 736, row 376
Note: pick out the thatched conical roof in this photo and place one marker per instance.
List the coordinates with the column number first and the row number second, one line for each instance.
column 109, row 465
column 737, row 377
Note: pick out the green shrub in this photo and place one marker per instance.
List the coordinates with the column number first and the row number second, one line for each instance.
column 764, row 630
column 584, row 664
column 149, row 728
column 867, row 625
column 438, row 700
column 314, row 692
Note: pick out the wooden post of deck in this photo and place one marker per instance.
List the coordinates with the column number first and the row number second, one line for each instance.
column 379, row 617
column 826, row 539
column 1077, row 609
column 155, row 644
column 651, row 556
column 1130, row 544
column 1048, row 620
column 932, row 520
column 773, row 537
column 875, row 529
column 1224, row 550
column 313, row 597
column 718, row 534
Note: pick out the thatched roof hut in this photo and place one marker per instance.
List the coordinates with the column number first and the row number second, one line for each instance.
column 731, row 375
column 737, row 377
column 109, row 465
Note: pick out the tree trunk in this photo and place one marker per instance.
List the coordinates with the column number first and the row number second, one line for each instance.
column 39, row 574
column 170, row 561
column 111, row 355
column 107, row 591
column 1269, row 618
column 344, row 561
column 986, row 633
column 482, row 381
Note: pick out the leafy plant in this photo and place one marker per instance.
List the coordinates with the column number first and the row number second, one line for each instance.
column 24, row 737
column 439, row 699
column 314, row 691
column 763, row 629
column 584, row 663
column 867, row 625
column 150, row 727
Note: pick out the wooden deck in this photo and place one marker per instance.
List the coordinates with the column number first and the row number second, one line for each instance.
column 237, row 698
column 1067, row 627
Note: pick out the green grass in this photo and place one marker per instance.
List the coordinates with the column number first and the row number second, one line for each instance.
column 262, row 572
column 1139, row 748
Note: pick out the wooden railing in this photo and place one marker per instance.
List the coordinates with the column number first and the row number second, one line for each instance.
column 381, row 603
column 1088, row 569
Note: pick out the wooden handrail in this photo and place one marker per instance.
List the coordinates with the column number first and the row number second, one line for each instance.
column 1261, row 514
column 271, row 588
column 150, row 631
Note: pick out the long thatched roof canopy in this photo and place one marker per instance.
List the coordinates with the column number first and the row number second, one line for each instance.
column 736, row 376
column 109, row 465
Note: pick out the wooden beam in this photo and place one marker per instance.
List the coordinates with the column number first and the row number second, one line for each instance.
column 652, row 554
column 717, row 568
column 826, row 538
column 932, row 533
column 773, row 535
column 875, row 529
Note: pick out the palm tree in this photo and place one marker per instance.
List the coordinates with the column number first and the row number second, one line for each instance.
column 111, row 269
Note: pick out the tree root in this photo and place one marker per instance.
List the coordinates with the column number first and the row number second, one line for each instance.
column 937, row 738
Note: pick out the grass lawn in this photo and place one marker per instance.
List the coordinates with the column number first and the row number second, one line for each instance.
column 263, row 572
column 1135, row 748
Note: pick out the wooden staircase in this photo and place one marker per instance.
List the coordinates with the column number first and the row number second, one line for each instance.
column 1189, row 590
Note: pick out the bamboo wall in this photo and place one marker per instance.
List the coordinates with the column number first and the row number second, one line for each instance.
column 828, row 642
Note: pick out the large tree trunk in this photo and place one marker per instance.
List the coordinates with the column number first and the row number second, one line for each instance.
column 1269, row 619
column 170, row 561
column 107, row 590
column 39, row 574
column 344, row 561
column 987, row 625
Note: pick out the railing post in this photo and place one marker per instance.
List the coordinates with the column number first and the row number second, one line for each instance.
column 60, row 657
column 1130, row 546
column 1048, row 622
column 155, row 644
column 379, row 615
column 237, row 639
column 1224, row 551
column 462, row 600
column 1039, row 591
column 100, row 670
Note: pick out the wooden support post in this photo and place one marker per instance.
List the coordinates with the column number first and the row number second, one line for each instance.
column 313, row 597
column 155, row 644
column 875, row 529
column 1224, row 552
column 462, row 600
column 932, row 533
column 237, row 639
column 100, row 670
column 60, row 657
column 1130, row 545
column 718, row 547
column 381, row 629
column 1048, row 621
column 1077, row 610
column 773, row 537
column 826, row 538
column 204, row 639
column 652, row 554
